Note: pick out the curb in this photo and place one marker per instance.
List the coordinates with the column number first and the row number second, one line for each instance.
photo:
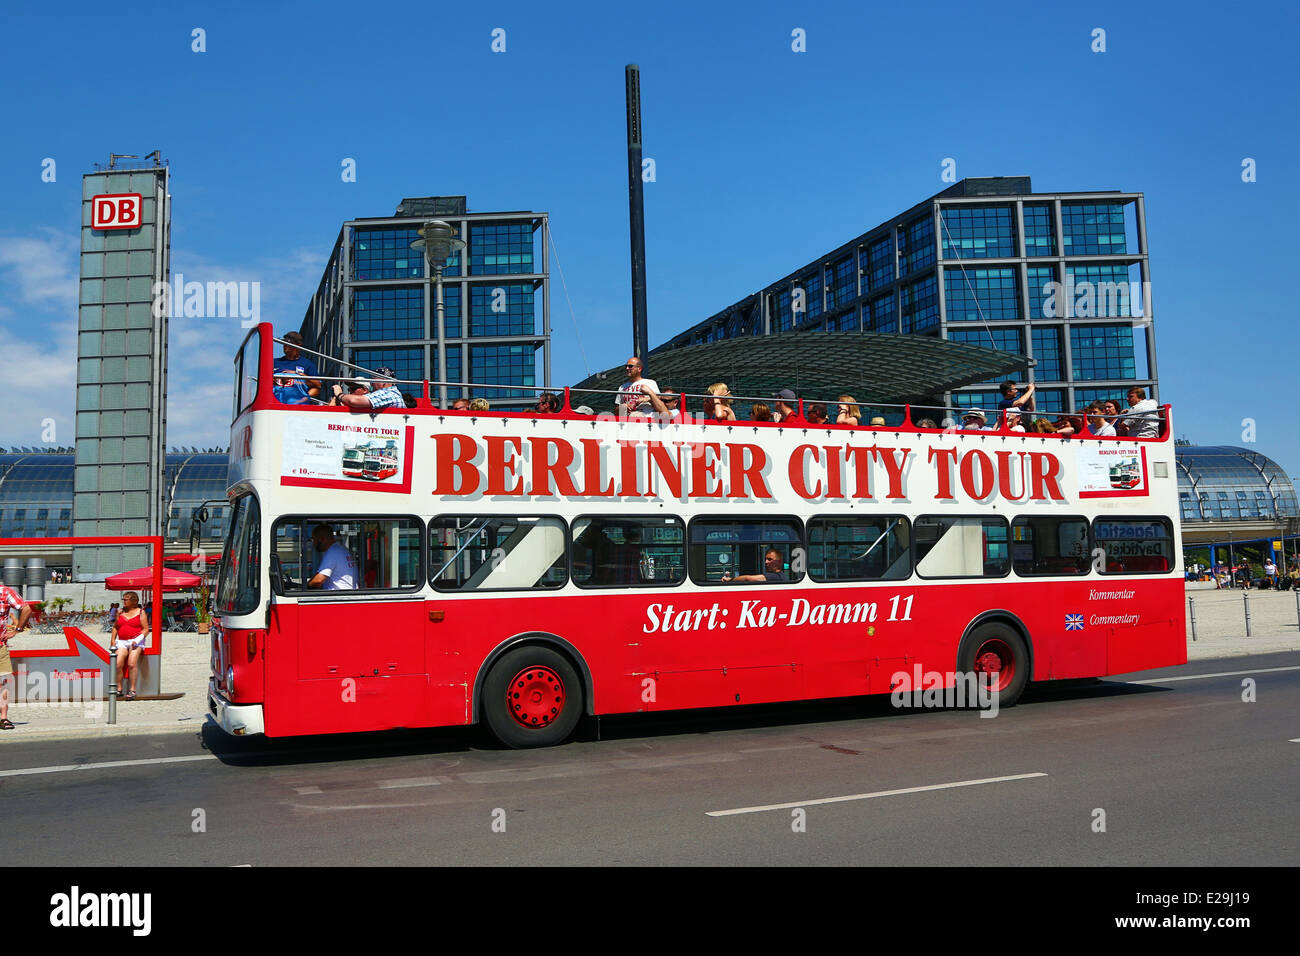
column 20, row 735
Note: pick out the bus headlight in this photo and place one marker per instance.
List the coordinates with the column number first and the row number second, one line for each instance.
column 230, row 682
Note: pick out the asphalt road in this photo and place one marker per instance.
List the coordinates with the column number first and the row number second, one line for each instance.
column 1181, row 772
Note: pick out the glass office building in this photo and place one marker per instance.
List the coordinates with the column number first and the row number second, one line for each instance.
column 1061, row 278
column 121, row 362
column 376, row 305
column 37, row 494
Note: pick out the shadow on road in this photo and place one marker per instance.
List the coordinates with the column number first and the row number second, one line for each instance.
column 286, row 751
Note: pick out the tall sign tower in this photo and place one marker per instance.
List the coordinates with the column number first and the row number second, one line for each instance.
column 121, row 360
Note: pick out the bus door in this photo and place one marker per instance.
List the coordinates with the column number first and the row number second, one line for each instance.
column 730, row 641
column 350, row 647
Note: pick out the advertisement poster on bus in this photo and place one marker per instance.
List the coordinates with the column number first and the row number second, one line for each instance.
column 361, row 455
column 1111, row 469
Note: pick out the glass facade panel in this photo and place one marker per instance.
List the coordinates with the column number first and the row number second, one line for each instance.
column 978, row 232
column 920, row 305
column 813, row 302
column 878, row 263
column 973, row 295
column 501, row 248
column 1040, row 231
column 504, row 365
column 1041, row 289
column 405, row 362
column 1049, row 400
column 1099, row 352
column 1047, row 352
column 842, row 282
column 1093, row 229
column 389, row 313
column 505, row 309
column 387, row 254
column 916, row 245
column 883, row 317
column 1083, row 397
column 1098, row 291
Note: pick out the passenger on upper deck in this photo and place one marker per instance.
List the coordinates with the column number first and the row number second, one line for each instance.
column 460, row 405
column 1097, row 424
column 548, row 403
column 759, row 412
column 299, row 384
column 718, row 408
column 380, row 392
column 1014, row 422
column 479, row 405
column 850, row 413
column 786, row 403
column 634, row 394
column 1010, row 391
column 667, row 406
column 818, row 414
column 1141, row 420
column 973, row 421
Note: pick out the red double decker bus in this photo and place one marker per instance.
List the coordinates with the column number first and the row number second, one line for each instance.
column 523, row 569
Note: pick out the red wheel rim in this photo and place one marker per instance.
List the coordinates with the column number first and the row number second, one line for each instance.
column 996, row 657
column 535, row 697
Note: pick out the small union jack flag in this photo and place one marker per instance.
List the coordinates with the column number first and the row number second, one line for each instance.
column 1074, row 622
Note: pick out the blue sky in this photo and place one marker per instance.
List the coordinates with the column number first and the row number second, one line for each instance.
column 765, row 158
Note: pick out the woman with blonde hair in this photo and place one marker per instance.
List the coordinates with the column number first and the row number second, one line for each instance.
column 718, row 408
column 850, row 413
column 129, row 630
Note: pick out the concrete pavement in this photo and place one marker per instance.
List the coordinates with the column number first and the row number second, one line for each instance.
column 1220, row 620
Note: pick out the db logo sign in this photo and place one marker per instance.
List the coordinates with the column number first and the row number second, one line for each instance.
column 119, row 211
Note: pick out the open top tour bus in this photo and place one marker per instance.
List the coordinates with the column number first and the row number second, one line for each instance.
column 524, row 569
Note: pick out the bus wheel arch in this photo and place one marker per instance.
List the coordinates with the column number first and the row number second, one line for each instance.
column 998, row 640
column 547, row 660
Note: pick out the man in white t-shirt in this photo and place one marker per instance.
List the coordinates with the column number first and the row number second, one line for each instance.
column 337, row 571
column 634, row 394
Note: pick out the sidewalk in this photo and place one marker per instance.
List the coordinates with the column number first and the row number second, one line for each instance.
column 185, row 667
column 1220, row 624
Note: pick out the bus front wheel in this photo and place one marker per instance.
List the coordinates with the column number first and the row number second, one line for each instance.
column 532, row 697
column 998, row 651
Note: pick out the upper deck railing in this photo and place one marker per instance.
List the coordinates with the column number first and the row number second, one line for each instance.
column 677, row 407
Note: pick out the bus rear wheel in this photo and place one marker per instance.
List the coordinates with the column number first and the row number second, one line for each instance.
column 996, row 650
column 532, row 697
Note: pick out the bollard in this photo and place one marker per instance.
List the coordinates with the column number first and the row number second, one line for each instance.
column 1245, row 600
column 112, row 683
column 1191, row 606
column 1297, row 604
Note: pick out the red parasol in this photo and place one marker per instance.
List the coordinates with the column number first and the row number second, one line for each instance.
column 142, row 578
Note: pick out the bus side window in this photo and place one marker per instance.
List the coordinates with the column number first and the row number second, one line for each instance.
column 1048, row 545
column 386, row 551
column 1135, row 545
column 722, row 549
column 621, row 551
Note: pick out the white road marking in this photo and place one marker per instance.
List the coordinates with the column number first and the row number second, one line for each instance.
column 404, row 782
column 306, row 791
column 1170, row 680
column 869, row 796
column 1294, row 740
column 105, row 765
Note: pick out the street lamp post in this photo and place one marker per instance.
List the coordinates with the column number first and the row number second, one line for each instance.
column 438, row 242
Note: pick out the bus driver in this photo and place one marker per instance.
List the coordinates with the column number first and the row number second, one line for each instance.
column 337, row 570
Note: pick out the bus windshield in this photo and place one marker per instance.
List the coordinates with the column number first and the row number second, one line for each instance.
column 238, row 584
